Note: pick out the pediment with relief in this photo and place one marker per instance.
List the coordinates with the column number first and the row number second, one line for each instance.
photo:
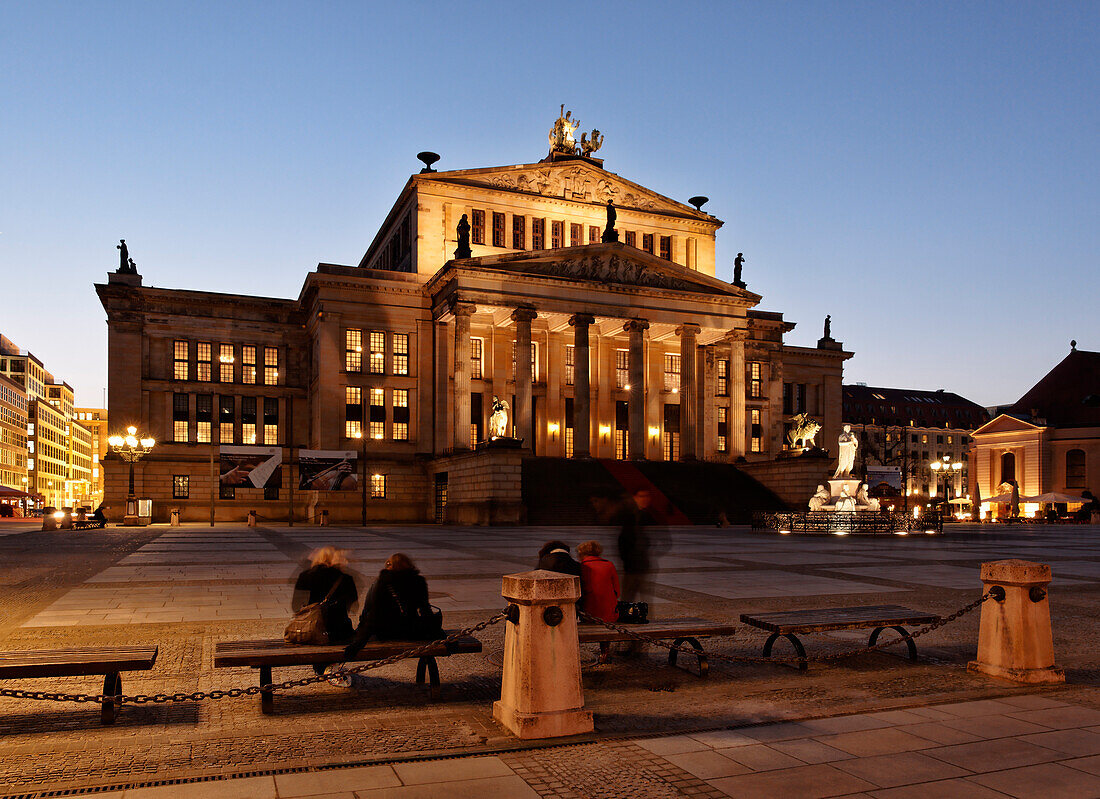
column 576, row 181
column 1006, row 424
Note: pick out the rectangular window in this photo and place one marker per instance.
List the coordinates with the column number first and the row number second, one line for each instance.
column 477, row 227
column 204, row 413
column 227, row 492
column 672, row 373
column 477, row 415
column 248, row 365
column 622, row 368
column 570, row 353
column 400, row 414
column 180, row 417
column 226, row 418
column 400, row 353
column 756, row 431
column 353, row 350
column 377, row 414
column 519, row 232
column 666, row 247
column 180, row 355
column 534, row 361
column 594, row 234
column 576, row 234
column 248, row 420
column 378, row 486
column 377, row 352
column 225, row 363
column 723, row 429
column 271, row 366
column 498, row 229
column 538, row 234
column 723, row 387
column 622, row 428
column 477, row 346
column 630, row 238
column 203, row 361
column 353, row 411
column 647, row 242
column 756, row 382
column 557, row 234
column 670, row 438
column 181, row 486
column 271, row 420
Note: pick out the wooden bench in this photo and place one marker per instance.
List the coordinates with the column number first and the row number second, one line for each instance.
column 792, row 623
column 106, row 660
column 263, row 655
column 688, row 630
column 89, row 524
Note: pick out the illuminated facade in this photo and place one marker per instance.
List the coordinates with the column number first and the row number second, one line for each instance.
column 13, row 435
column 95, row 421
column 635, row 350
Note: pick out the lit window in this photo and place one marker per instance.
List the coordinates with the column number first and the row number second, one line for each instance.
column 755, row 432
column 271, row 420
column 378, row 486
column 756, row 382
column 271, row 366
column 180, row 363
column 476, row 358
column 353, row 411
column 570, row 353
column 377, row 414
column 180, row 417
column 202, row 367
column 248, row 365
column 179, row 431
column 226, row 418
column 594, row 234
column 248, row 420
column 204, row 411
column 225, row 363
column 400, row 353
column 353, row 350
column 723, row 429
column 622, row 369
column 377, row 352
column 400, row 414
column 672, row 372
column 723, row 388
column 181, row 486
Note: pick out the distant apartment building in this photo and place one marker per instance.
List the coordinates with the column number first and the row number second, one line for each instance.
column 911, row 430
column 13, row 435
column 95, row 420
column 58, row 448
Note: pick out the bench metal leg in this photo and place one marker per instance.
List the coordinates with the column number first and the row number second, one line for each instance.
column 429, row 664
column 903, row 632
column 267, row 696
column 112, row 686
column 704, row 667
column 798, row 648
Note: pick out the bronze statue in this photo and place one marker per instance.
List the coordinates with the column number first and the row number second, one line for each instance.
column 123, row 257
column 828, row 326
column 463, row 249
column 589, row 146
column 737, row 262
column 561, row 135
column 609, row 232
column 133, row 267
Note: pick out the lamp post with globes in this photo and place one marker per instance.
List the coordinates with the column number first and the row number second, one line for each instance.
column 131, row 449
column 946, row 467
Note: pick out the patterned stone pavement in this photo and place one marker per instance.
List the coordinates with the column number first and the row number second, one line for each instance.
column 778, row 733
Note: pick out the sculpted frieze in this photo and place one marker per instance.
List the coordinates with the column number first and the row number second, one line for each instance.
column 574, row 183
column 609, row 269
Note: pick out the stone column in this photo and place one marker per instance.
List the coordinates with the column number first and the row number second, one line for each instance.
column 523, row 317
column 636, row 446
column 582, row 388
column 688, row 393
column 540, row 693
column 462, row 312
column 1014, row 637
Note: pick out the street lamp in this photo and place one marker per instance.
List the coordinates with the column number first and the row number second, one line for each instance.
column 363, row 459
column 131, row 449
column 945, row 467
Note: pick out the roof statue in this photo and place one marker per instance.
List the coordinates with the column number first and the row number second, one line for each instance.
column 563, row 136
column 609, row 232
column 126, row 264
column 589, row 146
column 463, row 249
column 738, row 263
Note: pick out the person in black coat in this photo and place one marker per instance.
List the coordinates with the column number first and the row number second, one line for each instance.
column 396, row 607
column 554, row 556
column 326, row 574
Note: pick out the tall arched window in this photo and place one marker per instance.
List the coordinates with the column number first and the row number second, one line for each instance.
column 1008, row 467
column 1075, row 469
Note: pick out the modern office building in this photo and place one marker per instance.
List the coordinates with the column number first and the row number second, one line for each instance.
column 13, row 440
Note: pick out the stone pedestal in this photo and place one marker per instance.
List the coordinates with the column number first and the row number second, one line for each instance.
column 540, row 693
column 1014, row 641
column 835, row 487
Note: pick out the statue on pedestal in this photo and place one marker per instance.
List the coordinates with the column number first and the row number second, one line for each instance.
column 125, row 262
column 609, row 232
column 738, row 262
column 804, row 430
column 819, row 500
column 828, row 326
column 463, row 249
column 498, row 419
column 848, row 444
column 863, row 500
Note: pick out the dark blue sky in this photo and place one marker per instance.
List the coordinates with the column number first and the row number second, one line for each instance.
column 927, row 173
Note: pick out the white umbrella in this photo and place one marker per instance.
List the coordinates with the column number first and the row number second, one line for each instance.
column 959, row 501
column 1054, row 496
column 999, row 499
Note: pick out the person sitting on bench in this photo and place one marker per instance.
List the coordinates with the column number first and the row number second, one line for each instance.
column 326, row 573
column 396, row 607
column 554, row 557
column 599, row 588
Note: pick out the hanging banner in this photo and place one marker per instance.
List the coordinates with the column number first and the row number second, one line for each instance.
column 251, row 467
column 327, row 470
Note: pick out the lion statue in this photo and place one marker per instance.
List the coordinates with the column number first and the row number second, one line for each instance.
column 803, row 432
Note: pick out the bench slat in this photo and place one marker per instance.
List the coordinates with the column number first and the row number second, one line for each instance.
column 673, row 628
column 276, row 652
column 825, row 619
column 75, row 662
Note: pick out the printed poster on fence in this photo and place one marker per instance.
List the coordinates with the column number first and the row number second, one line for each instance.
column 327, row 470
column 251, row 467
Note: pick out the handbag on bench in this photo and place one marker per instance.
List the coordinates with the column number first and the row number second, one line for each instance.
column 633, row 612
column 308, row 624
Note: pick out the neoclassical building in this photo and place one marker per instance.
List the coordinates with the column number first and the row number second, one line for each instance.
column 619, row 349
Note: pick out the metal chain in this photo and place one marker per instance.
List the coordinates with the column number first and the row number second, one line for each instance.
column 634, row 634
column 252, row 690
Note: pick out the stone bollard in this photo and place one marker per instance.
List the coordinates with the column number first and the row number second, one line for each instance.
column 1014, row 640
column 252, row 518
column 323, row 520
column 175, row 521
column 540, row 693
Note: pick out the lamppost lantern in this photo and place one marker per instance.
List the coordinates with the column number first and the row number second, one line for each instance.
column 131, row 448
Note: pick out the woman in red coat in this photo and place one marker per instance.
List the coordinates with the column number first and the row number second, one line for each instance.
column 599, row 588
